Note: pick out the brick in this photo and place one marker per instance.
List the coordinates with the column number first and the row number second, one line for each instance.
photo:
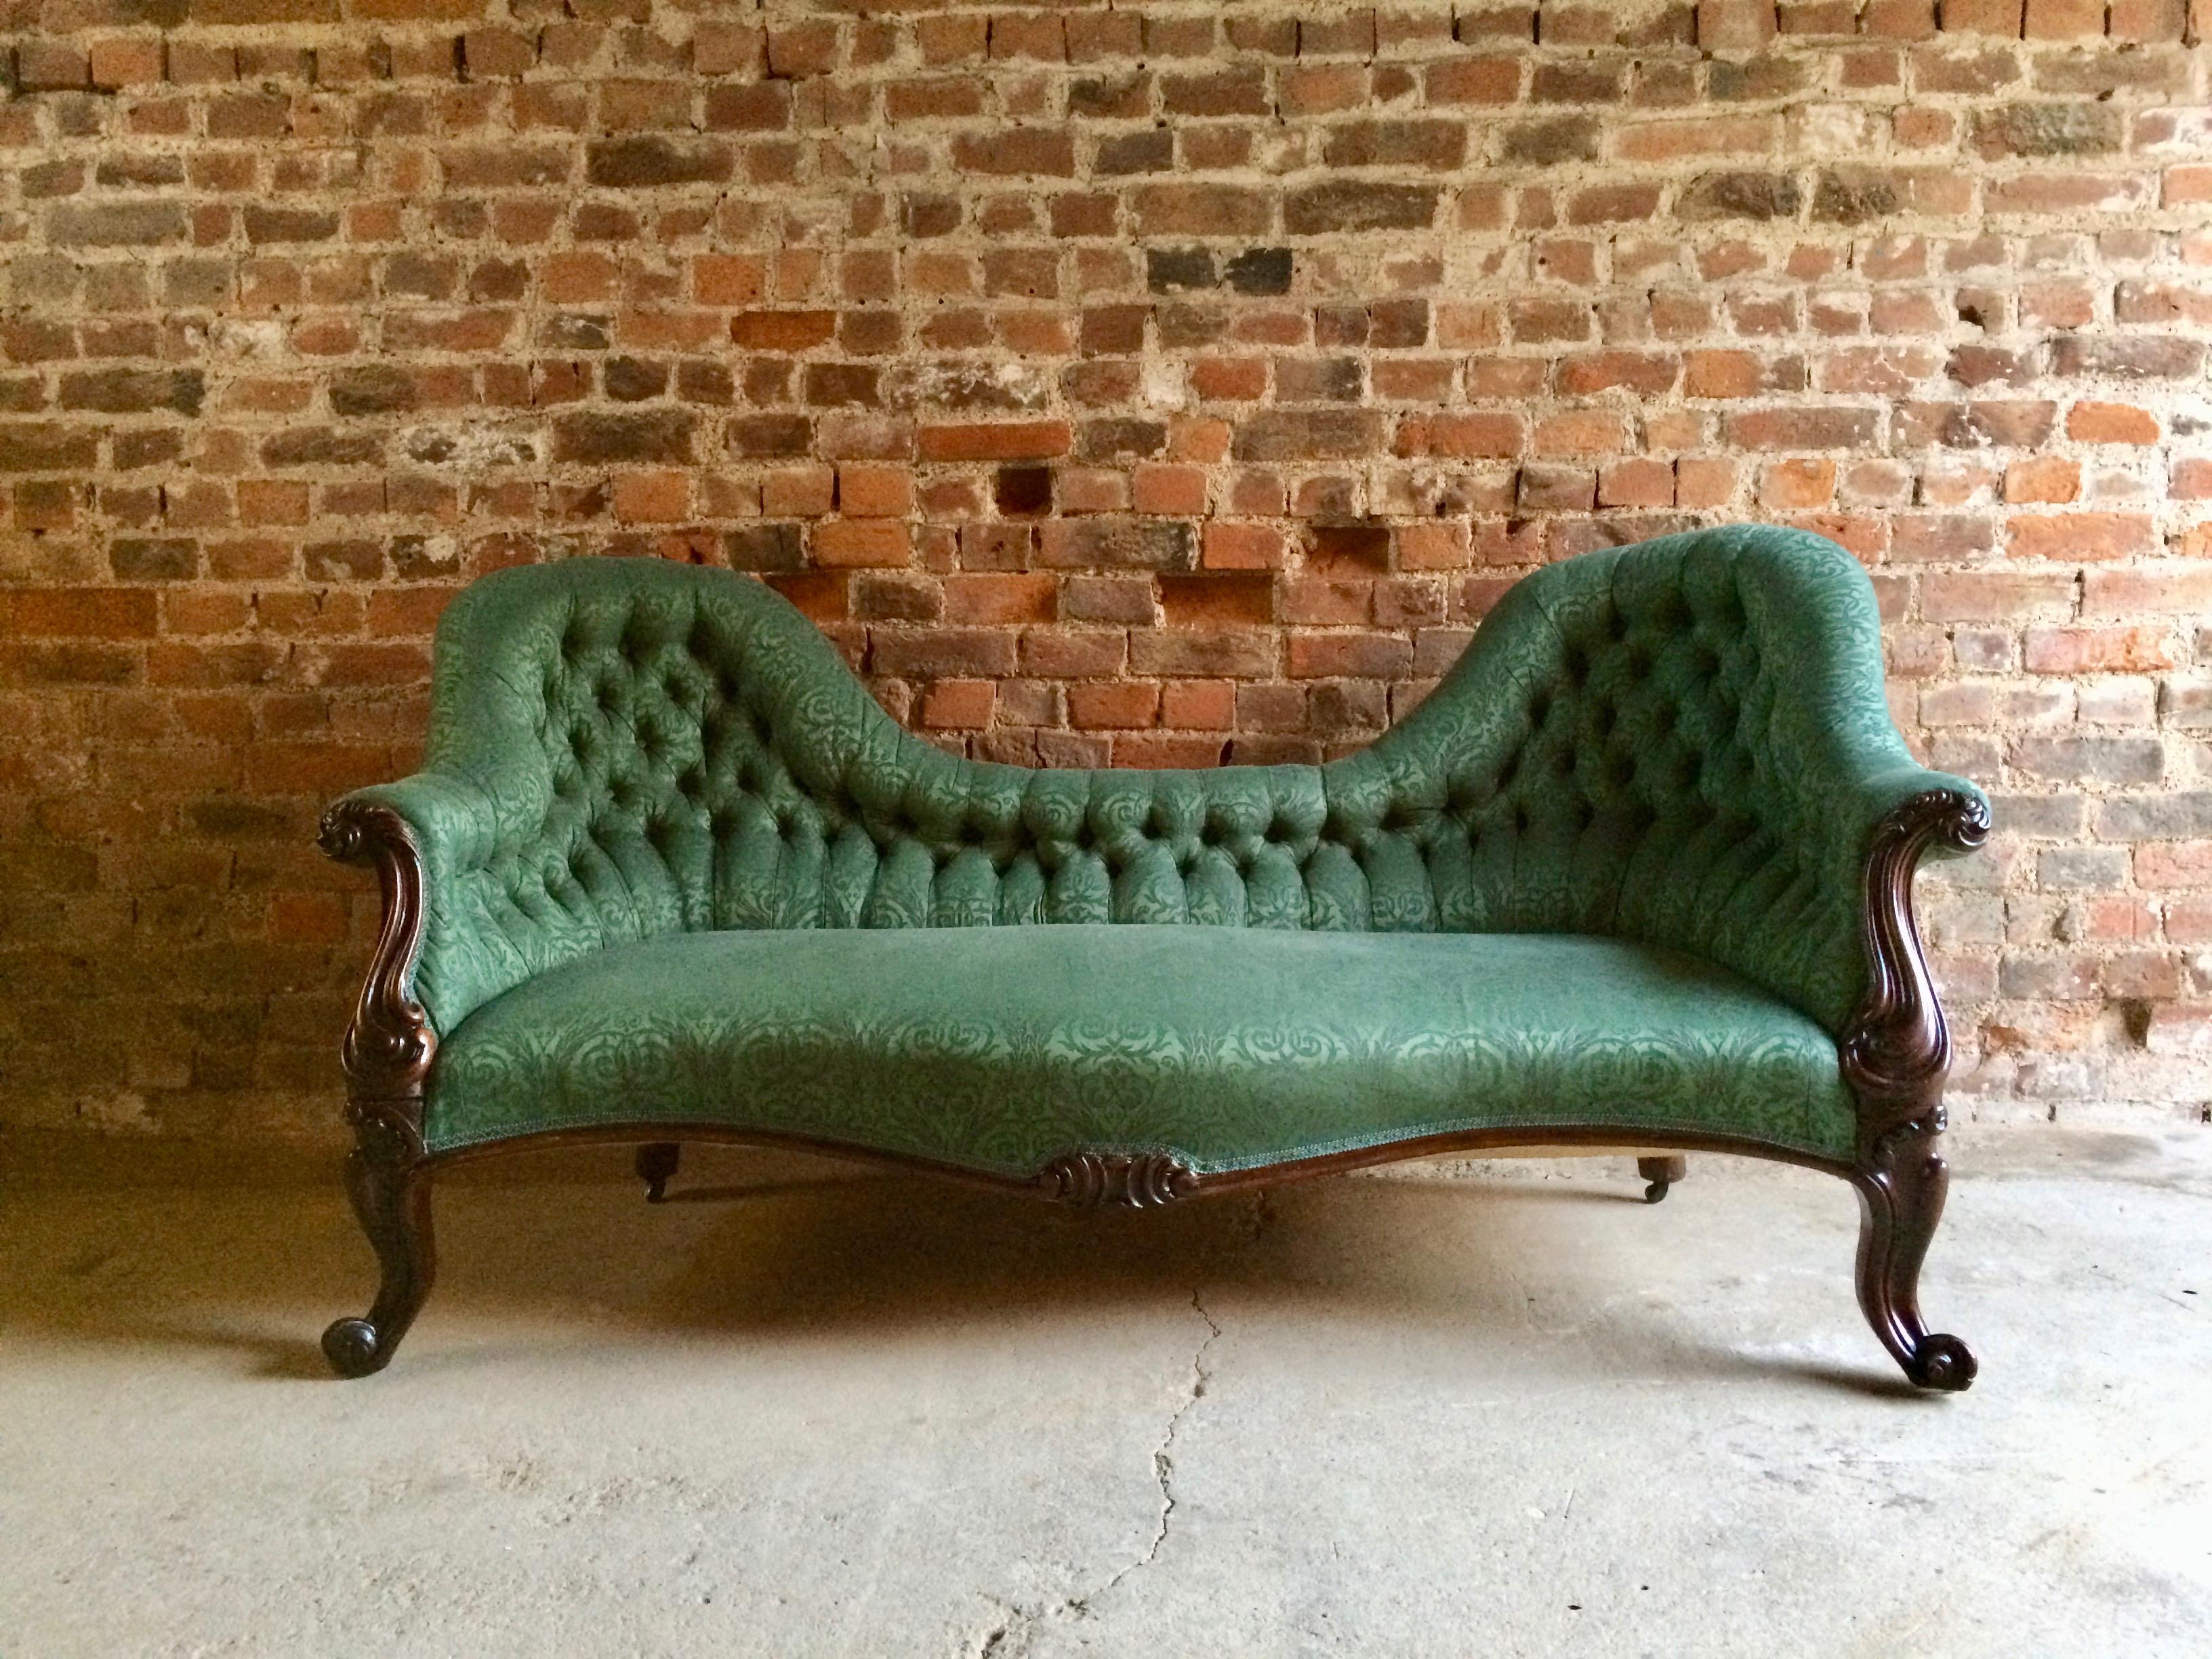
column 1348, row 653
column 942, row 652
column 90, row 613
column 2098, row 650
column 1437, row 146
column 134, row 390
column 1638, row 482
column 1113, row 705
column 2161, row 864
column 2046, row 128
column 1808, row 427
column 660, row 435
column 2064, row 20
column 1739, row 195
column 2111, row 423
column 763, row 547
column 750, row 107
column 1229, row 546
column 801, row 51
column 1554, row 143
column 652, row 159
column 52, row 66
column 1152, row 544
column 1006, row 598
column 1012, row 441
column 959, row 704
column 126, row 61
column 116, row 224
column 2131, row 357
column 1997, row 17
column 2179, row 590
column 2045, row 478
column 1169, row 490
column 46, row 446
column 1344, row 205
column 1022, row 153
column 2078, row 536
column 1308, row 435
column 1734, row 25
column 1466, row 436
column 2136, row 761
column 1797, row 485
column 846, row 542
column 1209, row 705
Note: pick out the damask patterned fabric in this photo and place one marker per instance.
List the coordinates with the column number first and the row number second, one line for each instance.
column 1683, row 745
column 1225, row 1046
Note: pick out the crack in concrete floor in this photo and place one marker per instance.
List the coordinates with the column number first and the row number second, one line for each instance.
column 1009, row 1637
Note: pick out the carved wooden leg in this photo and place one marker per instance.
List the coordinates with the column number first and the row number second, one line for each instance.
column 391, row 1192
column 1901, row 1188
column 656, row 1166
column 1661, row 1173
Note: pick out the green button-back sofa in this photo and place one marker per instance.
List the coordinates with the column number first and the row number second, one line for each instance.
column 1638, row 874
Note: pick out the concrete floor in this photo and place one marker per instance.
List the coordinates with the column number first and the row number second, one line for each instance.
column 802, row 1412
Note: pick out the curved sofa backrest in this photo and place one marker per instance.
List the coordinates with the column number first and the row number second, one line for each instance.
column 1626, row 747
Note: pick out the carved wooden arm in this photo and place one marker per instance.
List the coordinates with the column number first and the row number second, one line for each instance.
column 1896, row 1051
column 389, row 1043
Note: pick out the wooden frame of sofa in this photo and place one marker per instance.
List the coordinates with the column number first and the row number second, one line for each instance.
column 1895, row 1054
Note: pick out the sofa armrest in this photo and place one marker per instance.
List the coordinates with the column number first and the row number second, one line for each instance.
column 452, row 820
column 421, row 835
column 1896, row 1051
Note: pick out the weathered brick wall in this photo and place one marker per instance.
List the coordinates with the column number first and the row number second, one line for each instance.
column 1162, row 383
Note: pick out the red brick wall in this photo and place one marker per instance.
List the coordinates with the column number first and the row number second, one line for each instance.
column 1158, row 383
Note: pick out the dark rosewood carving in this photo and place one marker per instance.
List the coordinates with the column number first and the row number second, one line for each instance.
column 389, row 1045
column 389, row 1182
column 1896, row 1050
column 1660, row 1174
column 1895, row 1054
column 1143, row 1181
column 1901, row 1184
column 386, row 1056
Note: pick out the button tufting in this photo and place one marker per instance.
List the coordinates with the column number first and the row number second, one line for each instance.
column 659, row 724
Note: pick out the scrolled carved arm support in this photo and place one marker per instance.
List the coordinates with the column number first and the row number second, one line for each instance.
column 1896, row 1050
column 1895, row 1054
column 389, row 1044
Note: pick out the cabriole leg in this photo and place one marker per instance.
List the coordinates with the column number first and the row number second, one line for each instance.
column 1901, row 1188
column 656, row 1167
column 390, row 1188
column 1661, row 1173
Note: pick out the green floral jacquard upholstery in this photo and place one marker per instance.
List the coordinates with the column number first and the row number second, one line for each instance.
column 1225, row 1045
column 1682, row 746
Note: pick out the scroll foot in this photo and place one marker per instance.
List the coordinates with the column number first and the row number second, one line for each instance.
column 390, row 1193
column 656, row 1165
column 1661, row 1173
column 1901, row 1187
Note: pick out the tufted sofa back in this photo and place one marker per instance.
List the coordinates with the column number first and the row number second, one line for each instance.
column 1633, row 745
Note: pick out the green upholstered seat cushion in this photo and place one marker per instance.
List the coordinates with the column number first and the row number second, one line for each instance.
column 996, row 1049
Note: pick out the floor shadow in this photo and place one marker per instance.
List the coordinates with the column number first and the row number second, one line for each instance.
column 819, row 1257
column 1686, row 1358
